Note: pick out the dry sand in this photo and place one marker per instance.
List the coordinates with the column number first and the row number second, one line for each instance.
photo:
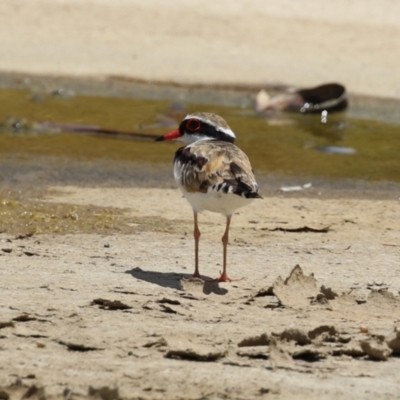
column 191, row 41
column 117, row 315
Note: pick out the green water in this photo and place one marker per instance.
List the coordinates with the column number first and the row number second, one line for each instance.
column 286, row 145
column 32, row 158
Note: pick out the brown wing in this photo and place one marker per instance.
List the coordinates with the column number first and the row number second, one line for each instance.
column 216, row 165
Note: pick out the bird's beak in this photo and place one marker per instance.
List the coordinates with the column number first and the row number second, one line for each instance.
column 175, row 134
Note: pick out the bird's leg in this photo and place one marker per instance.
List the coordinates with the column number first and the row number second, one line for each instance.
column 225, row 239
column 196, row 235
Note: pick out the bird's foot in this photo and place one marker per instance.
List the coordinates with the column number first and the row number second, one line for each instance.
column 225, row 278
column 197, row 275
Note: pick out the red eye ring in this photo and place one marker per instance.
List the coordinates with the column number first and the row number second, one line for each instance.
column 193, row 125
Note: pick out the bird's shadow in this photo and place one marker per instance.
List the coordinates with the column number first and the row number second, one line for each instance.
column 176, row 281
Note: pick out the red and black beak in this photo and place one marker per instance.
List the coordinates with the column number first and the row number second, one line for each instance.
column 175, row 134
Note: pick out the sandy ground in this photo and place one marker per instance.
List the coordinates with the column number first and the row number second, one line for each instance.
column 191, row 41
column 118, row 316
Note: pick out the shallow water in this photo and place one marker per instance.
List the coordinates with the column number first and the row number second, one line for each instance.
column 285, row 149
column 288, row 145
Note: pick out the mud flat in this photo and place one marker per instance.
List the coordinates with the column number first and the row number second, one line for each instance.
column 96, row 298
column 115, row 314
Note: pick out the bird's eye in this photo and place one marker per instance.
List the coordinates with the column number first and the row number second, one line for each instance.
column 193, row 125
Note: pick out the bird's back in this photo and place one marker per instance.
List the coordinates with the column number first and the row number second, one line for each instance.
column 215, row 172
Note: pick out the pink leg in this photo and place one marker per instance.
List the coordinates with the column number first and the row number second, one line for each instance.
column 196, row 235
column 225, row 239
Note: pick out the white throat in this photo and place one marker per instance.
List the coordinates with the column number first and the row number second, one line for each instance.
column 189, row 139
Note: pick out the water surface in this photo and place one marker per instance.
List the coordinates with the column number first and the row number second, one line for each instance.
column 290, row 145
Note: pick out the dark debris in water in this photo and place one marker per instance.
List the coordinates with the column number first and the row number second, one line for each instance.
column 327, row 97
column 23, row 126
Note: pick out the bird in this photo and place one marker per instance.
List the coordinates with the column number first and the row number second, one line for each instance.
column 212, row 173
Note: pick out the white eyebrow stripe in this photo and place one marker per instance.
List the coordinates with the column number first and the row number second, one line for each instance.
column 228, row 132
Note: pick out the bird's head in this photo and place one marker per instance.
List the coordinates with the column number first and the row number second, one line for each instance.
column 201, row 126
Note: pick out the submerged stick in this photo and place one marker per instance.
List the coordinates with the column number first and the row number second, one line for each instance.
column 96, row 130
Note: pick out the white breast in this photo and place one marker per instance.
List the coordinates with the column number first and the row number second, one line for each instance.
column 214, row 200
column 222, row 203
